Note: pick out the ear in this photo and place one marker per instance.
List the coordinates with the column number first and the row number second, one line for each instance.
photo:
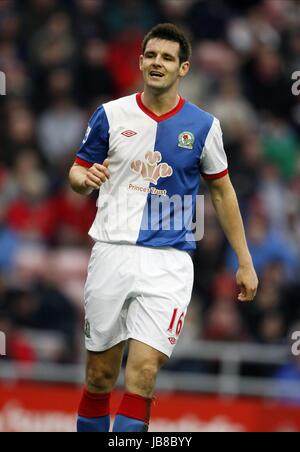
column 184, row 69
column 141, row 62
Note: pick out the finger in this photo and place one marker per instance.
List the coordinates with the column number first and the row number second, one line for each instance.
column 101, row 169
column 252, row 291
column 106, row 163
column 246, row 295
column 91, row 184
column 243, row 298
column 94, row 179
column 243, row 294
column 97, row 176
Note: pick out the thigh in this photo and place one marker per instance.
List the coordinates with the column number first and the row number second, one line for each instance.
column 140, row 354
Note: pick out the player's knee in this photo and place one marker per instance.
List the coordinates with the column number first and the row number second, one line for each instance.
column 141, row 380
column 100, row 380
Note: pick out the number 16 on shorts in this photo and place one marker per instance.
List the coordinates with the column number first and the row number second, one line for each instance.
column 176, row 324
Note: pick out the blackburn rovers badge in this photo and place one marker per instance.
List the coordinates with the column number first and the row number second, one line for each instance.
column 186, row 140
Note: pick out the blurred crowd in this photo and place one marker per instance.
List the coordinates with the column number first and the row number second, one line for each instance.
column 63, row 58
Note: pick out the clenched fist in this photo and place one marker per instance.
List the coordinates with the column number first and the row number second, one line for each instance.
column 97, row 175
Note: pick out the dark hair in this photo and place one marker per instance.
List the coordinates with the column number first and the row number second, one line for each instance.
column 170, row 32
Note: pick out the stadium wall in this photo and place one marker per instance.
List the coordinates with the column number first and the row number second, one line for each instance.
column 31, row 407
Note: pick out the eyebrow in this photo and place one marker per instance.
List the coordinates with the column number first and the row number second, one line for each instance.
column 165, row 54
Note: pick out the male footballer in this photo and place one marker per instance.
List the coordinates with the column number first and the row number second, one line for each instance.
column 145, row 154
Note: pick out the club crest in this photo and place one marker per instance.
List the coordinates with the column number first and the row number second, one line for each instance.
column 87, row 329
column 186, row 140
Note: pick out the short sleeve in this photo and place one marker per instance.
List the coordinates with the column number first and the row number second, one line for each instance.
column 94, row 148
column 213, row 161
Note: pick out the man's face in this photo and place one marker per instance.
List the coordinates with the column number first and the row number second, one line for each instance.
column 160, row 64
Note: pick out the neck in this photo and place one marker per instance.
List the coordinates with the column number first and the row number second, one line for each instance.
column 160, row 103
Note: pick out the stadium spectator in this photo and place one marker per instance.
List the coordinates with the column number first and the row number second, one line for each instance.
column 64, row 58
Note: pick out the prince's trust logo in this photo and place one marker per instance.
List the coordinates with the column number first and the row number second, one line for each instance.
column 151, row 169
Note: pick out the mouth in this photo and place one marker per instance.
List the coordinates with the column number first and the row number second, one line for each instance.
column 156, row 75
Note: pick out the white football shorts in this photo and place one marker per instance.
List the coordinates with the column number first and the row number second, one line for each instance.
column 135, row 292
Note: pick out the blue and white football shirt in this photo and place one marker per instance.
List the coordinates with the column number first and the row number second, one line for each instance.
column 155, row 165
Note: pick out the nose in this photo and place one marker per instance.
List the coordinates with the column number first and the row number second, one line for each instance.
column 157, row 61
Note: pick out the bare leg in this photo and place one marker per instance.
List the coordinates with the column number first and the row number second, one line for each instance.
column 103, row 368
column 102, row 372
column 143, row 365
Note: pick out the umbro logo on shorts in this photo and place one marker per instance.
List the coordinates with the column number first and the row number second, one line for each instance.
column 129, row 133
column 172, row 340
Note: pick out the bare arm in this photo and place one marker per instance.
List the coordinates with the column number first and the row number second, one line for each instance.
column 85, row 180
column 226, row 205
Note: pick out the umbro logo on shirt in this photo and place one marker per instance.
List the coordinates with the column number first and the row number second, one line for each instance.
column 129, row 133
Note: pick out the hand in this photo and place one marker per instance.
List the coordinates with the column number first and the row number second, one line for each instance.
column 97, row 175
column 248, row 282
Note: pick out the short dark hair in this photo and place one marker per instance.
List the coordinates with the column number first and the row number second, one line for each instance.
column 170, row 32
